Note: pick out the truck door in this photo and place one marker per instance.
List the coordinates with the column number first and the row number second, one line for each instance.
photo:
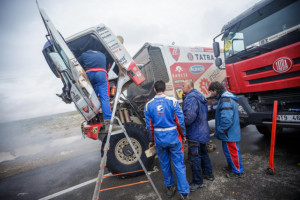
column 81, row 91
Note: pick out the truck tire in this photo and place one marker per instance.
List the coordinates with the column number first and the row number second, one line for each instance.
column 266, row 131
column 121, row 158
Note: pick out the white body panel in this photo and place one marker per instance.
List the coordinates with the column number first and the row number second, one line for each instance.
column 195, row 63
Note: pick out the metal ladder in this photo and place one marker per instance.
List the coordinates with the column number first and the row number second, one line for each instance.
column 122, row 80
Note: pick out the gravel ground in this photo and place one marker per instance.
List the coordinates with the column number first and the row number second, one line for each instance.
column 35, row 143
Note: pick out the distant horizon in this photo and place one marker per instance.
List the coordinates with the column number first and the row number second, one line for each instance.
column 38, row 116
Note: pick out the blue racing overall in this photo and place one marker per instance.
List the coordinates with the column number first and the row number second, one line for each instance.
column 94, row 63
column 165, row 122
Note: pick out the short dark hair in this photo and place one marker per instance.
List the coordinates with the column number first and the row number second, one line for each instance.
column 216, row 86
column 160, row 86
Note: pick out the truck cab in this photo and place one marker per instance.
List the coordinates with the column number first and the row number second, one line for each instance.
column 262, row 60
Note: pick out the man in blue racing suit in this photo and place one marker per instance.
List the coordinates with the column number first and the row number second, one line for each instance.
column 165, row 122
column 94, row 63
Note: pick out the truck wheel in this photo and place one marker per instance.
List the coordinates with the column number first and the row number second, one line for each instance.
column 121, row 158
column 266, row 131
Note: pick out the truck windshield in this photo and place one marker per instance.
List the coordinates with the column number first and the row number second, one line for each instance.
column 153, row 68
column 265, row 25
column 143, row 92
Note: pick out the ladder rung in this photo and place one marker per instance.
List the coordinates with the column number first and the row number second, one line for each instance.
column 122, row 173
column 121, row 186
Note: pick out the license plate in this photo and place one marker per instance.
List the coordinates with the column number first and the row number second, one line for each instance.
column 288, row 118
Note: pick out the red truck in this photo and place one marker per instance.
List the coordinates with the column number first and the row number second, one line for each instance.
column 262, row 61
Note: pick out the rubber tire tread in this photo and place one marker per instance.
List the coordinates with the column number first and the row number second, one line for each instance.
column 138, row 132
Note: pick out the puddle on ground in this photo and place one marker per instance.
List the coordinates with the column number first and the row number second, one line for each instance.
column 35, row 149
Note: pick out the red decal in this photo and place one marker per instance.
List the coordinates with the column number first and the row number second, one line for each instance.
column 175, row 52
column 282, row 64
column 152, row 130
column 204, row 84
column 86, row 109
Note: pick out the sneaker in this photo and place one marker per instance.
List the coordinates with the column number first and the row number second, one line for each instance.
column 194, row 186
column 234, row 175
column 171, row 191
column 185, row 196
column 209, row 177
column 227, row 169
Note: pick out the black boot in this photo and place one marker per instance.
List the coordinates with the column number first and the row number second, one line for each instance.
column 171, row 191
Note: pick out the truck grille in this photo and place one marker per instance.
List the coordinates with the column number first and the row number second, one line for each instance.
column 272, row 78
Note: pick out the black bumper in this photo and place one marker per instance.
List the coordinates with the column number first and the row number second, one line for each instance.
column 263, row 118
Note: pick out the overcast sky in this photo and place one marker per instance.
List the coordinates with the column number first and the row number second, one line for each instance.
column 28, row 87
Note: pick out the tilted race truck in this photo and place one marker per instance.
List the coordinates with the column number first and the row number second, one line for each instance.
column 262, row 61
column 153, row 62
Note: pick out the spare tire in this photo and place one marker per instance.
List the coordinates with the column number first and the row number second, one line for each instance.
column 121, row 158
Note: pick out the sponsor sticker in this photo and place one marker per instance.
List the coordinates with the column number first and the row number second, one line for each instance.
column 179, row 92
column 181, row 81
column 169, row 87
column 110, row 41
column 95, row 130
column 106, row 36
column 175, row 52
column 123, row 60
column 86, row 109
column 114, row 46
column 76, row 98
column 197, row 49
column 105, row 32
column 204, row 84
column 159, row 108
column 178, row 69
column 100, row 28
column 204, row 57
column 197, row 69
column 190, row 56
column 75, row 62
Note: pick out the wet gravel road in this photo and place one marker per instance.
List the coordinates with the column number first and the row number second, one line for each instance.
column 46, row 158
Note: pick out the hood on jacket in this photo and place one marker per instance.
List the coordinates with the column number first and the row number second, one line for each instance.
column 229, row 95
column 195, row 93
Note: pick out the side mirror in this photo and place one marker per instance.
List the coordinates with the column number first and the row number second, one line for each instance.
column 218, row 62
column 216, row 47
column 58, row 61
